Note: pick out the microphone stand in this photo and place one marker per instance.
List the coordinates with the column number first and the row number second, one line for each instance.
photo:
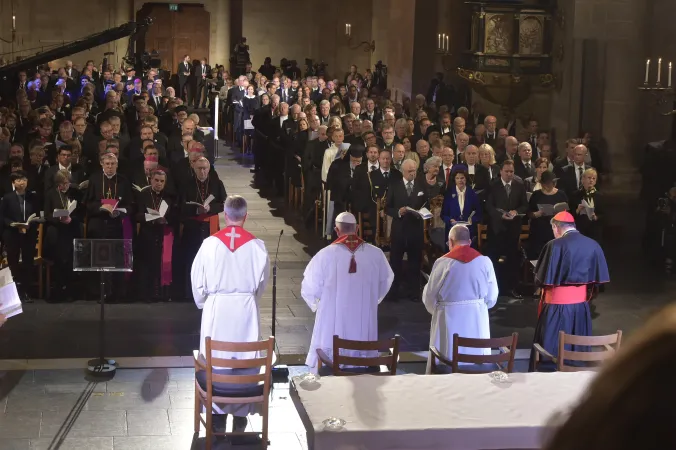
column 278, row 370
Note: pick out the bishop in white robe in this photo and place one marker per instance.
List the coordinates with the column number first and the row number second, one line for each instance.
column 229, row 275
column 344, row 283
column 460, row 291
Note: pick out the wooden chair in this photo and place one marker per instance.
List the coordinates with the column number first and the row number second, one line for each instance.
column 232, row 383
column 504, row 360
column 482, row 235
column 373, row 366
column 591, row 359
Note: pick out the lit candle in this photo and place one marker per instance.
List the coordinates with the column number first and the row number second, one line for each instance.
column 439, row 42
column 13, row 22
column 659, row 70
column 669, row 81
column 346, row 27
column 349, row 29
column 647, row 70
column 443, row 41
column 447, row 47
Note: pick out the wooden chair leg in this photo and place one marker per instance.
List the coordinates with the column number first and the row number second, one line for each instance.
column 41, row 286
column 290, row 195
column 209, row 430
column 198, row 405
column 264, row 433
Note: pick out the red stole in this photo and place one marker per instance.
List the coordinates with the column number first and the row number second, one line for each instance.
column 352, row 242
column 463, row 253
column 234, row 237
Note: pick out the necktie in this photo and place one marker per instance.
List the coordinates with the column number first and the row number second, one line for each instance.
column 579, row 180
column 508, row 189
column 528, row 167
column 387, row 175
column 448, row 175
column 409, row 188
column 373, row 168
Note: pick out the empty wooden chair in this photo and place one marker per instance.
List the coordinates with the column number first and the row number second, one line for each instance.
column 377, row 365
column 503, row 360
column 589, row 353
column 233, row 381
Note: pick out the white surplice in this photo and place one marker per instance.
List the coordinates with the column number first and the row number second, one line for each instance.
column 228, row 285
column 346, row 303
column 459, row 295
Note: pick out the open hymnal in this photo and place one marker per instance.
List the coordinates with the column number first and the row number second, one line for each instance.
column 423, row 212
column 248, row 124
column 154, row 215
column 32, row 218
column 114, row 204
column 10, row 303
column 550, row 210
column 503, row 212
column 58, row 213
column 209, row 199
column 83, row 185
column 139, row 188
column 468, row 222
column 588, row 210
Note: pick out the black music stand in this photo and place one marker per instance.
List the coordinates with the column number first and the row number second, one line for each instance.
column 103, row 256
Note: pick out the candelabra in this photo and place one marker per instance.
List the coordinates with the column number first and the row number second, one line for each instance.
column 13, row 32
column 368, row 46
column 661, row 95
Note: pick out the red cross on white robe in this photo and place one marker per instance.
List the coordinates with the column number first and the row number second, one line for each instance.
column 234, row 237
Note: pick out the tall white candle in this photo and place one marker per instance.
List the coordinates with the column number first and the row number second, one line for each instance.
column 439, row 42
column 13, row 22
column 447, row 48
column 659, row 70
column 346, row 29
column 647, row 70
column 669, row 81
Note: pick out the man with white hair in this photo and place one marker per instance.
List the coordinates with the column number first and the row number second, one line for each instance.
column 461, row 289
column 343, row 284
column 229, row 275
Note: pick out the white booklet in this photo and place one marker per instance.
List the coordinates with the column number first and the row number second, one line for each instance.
column 58, row 213
column 423, row 212
column 154, row 215
column 550, row 210
column 588, row 210
column 32, row 218
column 209, row 199
column 10, row 303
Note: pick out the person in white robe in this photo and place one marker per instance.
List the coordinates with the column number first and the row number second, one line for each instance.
column 229, row 275
column 344, row 283
column 460, row 291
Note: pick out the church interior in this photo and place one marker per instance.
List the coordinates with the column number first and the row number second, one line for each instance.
column 104, row 354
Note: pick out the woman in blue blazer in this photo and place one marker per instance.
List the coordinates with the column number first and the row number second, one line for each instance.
column 458, row 192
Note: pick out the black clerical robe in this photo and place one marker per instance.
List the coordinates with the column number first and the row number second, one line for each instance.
column 101, row 224
column 196, row 226
column 155, row 244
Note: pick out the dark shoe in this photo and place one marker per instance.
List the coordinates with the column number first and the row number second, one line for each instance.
column 515, row 295
column 219, row 422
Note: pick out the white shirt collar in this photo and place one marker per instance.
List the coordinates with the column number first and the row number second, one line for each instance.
column 383, row 171
column 64, row 168
column 504, row 183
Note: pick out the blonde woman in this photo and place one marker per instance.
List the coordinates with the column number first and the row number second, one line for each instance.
column 487, row 159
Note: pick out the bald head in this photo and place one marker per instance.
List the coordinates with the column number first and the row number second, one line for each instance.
column 511, row 145
column 459, row 235
column 408, row 169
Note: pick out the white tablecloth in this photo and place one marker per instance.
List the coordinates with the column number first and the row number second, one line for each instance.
column 445, row 412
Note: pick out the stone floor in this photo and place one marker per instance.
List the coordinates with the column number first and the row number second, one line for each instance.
column 172, row 329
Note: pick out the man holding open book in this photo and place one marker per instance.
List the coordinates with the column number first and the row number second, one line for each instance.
column 404, row 202
column 20, row 212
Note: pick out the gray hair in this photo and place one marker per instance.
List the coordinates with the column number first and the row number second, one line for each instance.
column 235, row 208
column 433, row 161
column 524, row 145
column 324, row 102
column 459, row 234
column 347, row 228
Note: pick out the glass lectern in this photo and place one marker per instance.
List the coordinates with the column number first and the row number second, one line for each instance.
column 103, row 256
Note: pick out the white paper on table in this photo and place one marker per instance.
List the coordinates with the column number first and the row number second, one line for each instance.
column 10, row 303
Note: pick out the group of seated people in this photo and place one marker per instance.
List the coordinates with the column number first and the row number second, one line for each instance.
column 350, row 142
column 135, row 164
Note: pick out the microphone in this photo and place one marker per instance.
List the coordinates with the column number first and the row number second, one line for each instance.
column 278, row 371
column 281, row 232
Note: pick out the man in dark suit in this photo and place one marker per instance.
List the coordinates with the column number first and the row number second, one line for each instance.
column 491, row 135
column 156, row 99
column 371, row 186
column 407, row 229
column 446, row 169
column 524, row 166
column 506, row 205
column 202, row 72
column 571, row 176
column 64, row 163
column 371, row 114
column 183, row 72
column 339, row 180
column 479, row 178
